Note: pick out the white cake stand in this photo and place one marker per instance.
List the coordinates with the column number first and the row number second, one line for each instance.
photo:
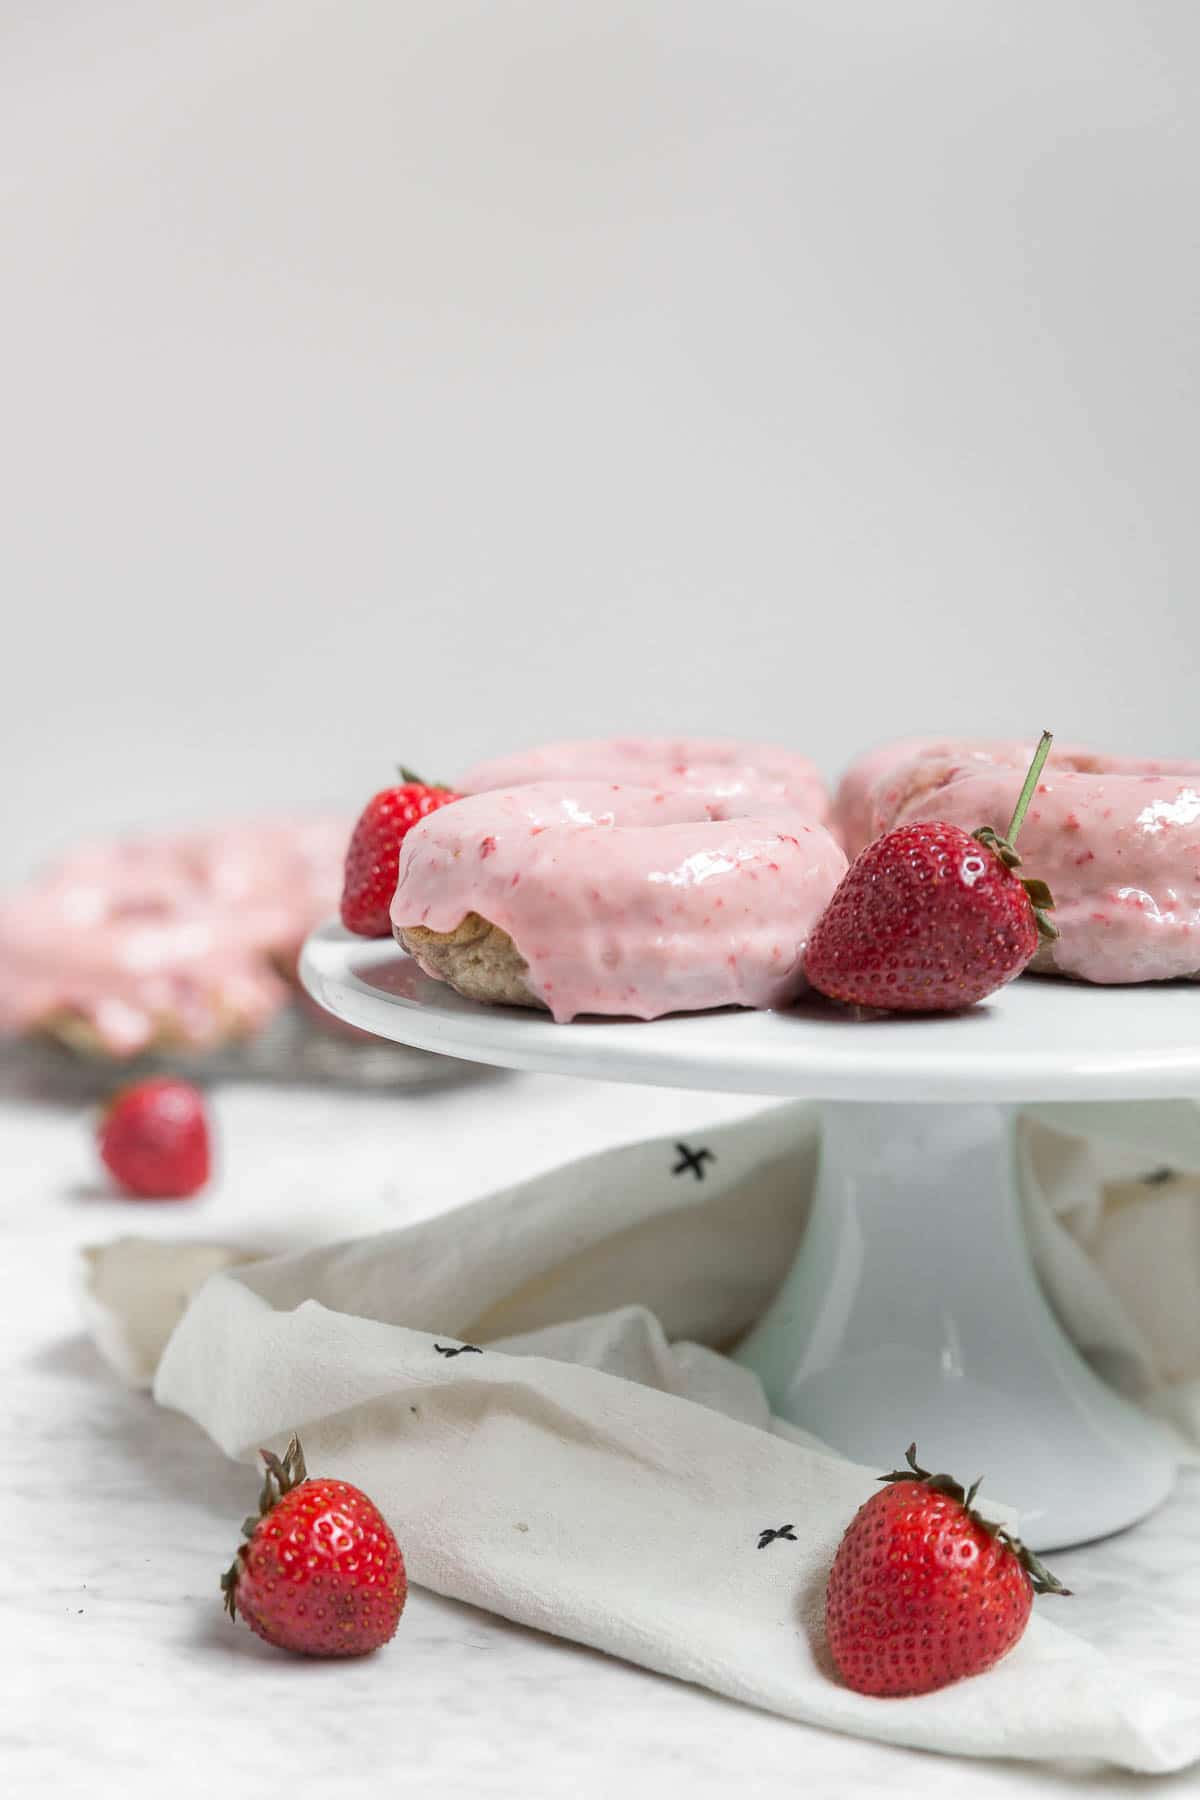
column 912, row 1310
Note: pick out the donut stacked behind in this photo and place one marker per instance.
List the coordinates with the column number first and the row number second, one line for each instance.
column 763, row 776
column 595, row 897
column 1116, row 838
column 871, row 791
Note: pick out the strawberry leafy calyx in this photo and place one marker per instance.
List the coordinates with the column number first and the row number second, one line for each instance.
column 1041, row 900
column 282, row 1474
column 1040, row 897
column 410, row 778
column 1040, row 1578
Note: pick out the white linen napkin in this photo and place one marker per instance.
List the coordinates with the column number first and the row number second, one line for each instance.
column 532, row 1388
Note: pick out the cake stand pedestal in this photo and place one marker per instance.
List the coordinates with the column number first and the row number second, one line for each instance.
column 913, row 1309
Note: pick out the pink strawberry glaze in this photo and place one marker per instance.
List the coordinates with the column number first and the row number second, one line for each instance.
column 1116, row 838
column 627, row 900
column 184, row 931
column 722, row 769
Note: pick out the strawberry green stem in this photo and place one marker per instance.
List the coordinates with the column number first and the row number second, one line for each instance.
column 1030, row 787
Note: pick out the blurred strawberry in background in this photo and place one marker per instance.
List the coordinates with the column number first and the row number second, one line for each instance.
column 155, row 1141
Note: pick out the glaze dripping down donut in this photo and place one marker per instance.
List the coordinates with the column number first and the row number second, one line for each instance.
column 594, row 897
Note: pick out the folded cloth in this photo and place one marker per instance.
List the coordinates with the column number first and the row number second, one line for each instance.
column 532, row 1388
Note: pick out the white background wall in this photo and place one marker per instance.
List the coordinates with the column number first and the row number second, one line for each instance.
column 422, row 377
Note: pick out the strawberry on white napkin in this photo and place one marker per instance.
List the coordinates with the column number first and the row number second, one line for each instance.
column 533, row 1390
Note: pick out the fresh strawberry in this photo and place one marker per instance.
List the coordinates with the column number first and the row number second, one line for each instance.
column 374, row 851
column 923, row 1591
column 154, row 1138
column 321, row 1572
column 931, row 918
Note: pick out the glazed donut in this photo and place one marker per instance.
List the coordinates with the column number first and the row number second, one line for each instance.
column 721, row 769
column 1117, row 839
column 165, row 942
column 862, row 799
column 593, row 897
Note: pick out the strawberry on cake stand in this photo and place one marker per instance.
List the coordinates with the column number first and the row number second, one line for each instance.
column 913, row 1306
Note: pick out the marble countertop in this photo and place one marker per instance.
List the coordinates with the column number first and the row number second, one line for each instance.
column 120, row 1673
